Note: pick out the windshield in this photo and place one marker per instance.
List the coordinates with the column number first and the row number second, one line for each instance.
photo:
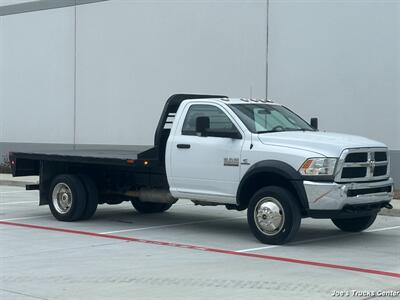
column 263, row 118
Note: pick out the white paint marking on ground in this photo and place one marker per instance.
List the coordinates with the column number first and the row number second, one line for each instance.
column 25, row 218
column 296, row 243
column 171, row 225
column 318, row 239
column 382, row 229
column 15, row 192
column 16, row 202
column 258, row 248
column 183, row 204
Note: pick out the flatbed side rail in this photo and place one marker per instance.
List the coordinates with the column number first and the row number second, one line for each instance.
column 24, row 166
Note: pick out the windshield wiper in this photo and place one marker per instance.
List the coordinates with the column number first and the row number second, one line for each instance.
column 301, row 129
column 268, row 131
column 286, row 129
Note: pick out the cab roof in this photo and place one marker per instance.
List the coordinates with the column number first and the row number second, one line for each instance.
column 228, row 100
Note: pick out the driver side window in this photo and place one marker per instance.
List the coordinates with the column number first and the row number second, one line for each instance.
column 218, row 119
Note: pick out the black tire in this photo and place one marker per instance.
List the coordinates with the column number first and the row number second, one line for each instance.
column 150, row 207
column 77, row 193
column 287, row 212
column 354, row 224
column 92, row 197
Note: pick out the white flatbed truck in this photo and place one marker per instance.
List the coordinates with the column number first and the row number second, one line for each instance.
column 214, row 150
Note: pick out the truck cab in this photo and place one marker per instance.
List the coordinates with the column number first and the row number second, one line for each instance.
column 256, row 154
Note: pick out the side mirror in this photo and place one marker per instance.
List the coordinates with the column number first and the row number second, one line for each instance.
column 314, row 123
column 202, row 125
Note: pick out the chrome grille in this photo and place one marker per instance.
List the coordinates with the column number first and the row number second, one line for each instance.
column 363, row 164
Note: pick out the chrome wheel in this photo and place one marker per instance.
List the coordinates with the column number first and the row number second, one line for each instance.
column 269, row 216
column 62, row 198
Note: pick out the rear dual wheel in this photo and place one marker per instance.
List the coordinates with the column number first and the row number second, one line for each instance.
column 72, row 197
column 92, row 197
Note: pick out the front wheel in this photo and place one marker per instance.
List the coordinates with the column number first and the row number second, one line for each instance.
column 150, row 207
column 273, row 215
column 354, row 224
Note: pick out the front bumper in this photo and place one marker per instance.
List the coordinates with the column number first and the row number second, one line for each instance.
column 332, row 196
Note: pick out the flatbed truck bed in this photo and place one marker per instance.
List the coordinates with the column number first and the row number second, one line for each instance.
column 113, row 157
column 119, row 175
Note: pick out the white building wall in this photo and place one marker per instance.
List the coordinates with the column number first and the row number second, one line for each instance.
column 340, row 61
column 37, row 76
column 132, row 55
column 11, row 2
column 335, row 59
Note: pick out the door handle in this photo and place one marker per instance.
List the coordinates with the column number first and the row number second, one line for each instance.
column 183, row 146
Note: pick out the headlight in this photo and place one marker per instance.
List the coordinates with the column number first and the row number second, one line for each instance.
column 318, row 166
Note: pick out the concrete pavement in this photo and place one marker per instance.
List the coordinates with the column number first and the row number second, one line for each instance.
column 8, row 179
column 187, row 252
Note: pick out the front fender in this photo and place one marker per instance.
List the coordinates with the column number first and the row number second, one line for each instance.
column 276, row 171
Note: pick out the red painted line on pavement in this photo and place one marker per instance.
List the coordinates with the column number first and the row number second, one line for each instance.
column 207, row 249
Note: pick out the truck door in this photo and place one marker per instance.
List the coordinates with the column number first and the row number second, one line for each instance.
column 205, row 166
